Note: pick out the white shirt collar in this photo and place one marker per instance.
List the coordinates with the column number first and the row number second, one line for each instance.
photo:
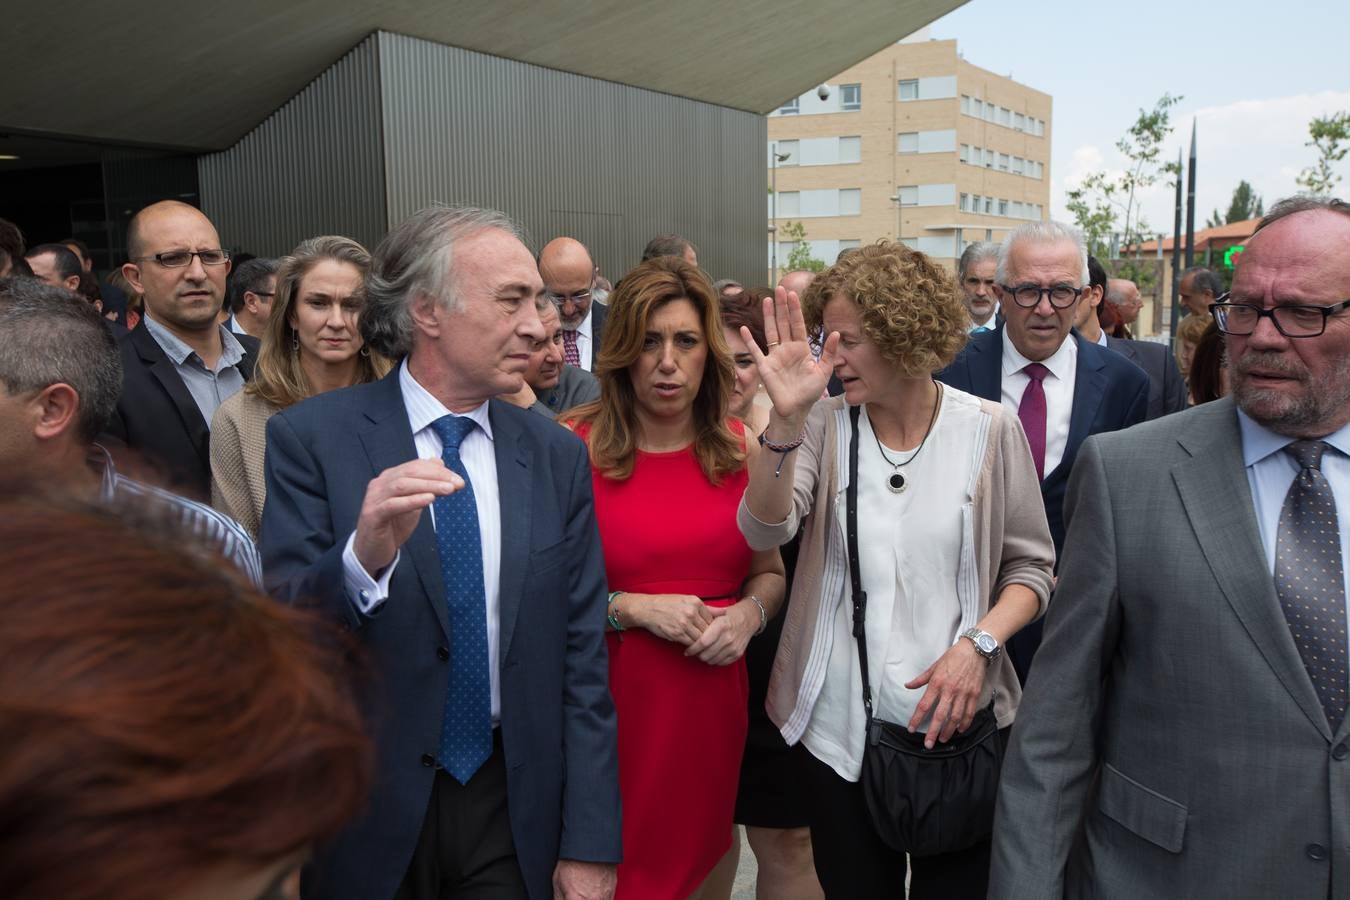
column 1060, row 363
column 584, row 328
column 1258, row 441
column 423, row 408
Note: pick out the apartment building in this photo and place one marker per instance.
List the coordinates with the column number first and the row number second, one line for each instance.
column 913, row 142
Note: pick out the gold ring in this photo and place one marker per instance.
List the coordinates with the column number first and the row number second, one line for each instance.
column 774, row 343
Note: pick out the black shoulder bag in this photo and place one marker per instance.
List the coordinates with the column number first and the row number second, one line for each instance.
column 922, row 802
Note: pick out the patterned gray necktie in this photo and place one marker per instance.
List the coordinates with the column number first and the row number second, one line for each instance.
column 1310, row 578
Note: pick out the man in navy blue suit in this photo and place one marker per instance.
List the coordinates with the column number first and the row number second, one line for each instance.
column 1062, row 387
column 455, row 535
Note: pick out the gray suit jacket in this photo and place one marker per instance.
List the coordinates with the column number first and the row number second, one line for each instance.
column 1170, row 743
column 1166, row 387
column 575, row 387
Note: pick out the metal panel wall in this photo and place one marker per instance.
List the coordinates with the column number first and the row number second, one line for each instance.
column 315, row 166
column 563, row 154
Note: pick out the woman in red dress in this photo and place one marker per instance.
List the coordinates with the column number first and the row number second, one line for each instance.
column 668, row 470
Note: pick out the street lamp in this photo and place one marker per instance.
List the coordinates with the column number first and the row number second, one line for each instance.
column 899, row 213
column 774, row 159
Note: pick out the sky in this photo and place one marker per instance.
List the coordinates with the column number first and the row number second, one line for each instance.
column 1251, row 76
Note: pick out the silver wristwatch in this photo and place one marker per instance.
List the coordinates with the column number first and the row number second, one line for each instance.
column 985, row 643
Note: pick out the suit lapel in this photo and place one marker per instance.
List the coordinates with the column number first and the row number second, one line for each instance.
column 515, row 489
column 1089, row 387
column 986, row 365
column 163, row 371
column 388, row 442
column 1213, row 488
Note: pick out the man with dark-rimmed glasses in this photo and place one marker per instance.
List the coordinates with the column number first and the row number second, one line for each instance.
column 568, row 272
column 1061, row 386
column 179, row 364
column 1185, row 733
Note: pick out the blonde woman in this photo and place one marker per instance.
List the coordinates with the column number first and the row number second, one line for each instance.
column 312, row 344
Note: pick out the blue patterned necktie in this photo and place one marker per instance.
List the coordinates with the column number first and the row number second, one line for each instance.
column 466, row 729
column 1310, row 578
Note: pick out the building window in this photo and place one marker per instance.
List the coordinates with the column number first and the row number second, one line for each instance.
column 789, row 203
column 1003, row 162
column 850, row 97
column 1003, row 207
column 977, row 108
column 988, row 158
column 990, row 112
column 789, row 108
column 788, row 149
column 907, row 143
column 850, row 202
column 989, row 205
column 965, row 153
column 909, row 89
column 1017, row 164
column 909, row 195
column 1005, row 117
column 1019, row 122
column 965, row 203
column 850, row 149
column 965, row 104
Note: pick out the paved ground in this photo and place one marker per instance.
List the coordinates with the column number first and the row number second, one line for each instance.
column 744, row 887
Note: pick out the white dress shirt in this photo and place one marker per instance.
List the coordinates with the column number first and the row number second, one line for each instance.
column 1271, row 472
column 1058, row 385
column 1101, row 339
column 480, row 461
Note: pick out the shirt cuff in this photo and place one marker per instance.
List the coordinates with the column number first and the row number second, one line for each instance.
column 367, row 594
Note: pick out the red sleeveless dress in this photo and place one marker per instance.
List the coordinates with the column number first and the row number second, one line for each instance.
column 682, row 723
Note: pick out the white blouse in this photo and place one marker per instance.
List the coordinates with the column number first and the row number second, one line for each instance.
column 910, row 547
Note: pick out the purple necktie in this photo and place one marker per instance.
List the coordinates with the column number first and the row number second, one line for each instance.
column 1032, row 413
column 571, row 355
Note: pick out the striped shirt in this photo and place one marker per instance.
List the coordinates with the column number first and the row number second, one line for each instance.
column 211, row 528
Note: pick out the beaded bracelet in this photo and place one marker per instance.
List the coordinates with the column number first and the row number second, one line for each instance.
column 612, row 617
column 782, row 449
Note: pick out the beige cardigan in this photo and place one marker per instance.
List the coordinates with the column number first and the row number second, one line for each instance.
column 1006, row 541
column 238, row 449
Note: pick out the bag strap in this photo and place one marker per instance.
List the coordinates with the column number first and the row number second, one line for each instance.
column 854, row 569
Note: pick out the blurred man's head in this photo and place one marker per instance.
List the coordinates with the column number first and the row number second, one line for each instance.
column 670, row 245
column 1123, row 294
column 797, row 281
column 56, row 265
column 975, row 272
column 569, row 276
column 1198, row 289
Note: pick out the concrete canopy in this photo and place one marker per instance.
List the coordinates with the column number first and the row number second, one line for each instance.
column 199, row 77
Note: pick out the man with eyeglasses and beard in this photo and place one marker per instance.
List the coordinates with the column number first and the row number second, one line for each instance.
column 1184, row 733
column 1062, row 387
column 179, row 364
column 568, row 273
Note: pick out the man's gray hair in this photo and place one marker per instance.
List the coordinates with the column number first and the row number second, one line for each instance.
column 1044, row 233
column 975, row 253
column 1115, row 293
column 1203, row 279
column 417, row 258
column 1302, row 203
column 49, row 335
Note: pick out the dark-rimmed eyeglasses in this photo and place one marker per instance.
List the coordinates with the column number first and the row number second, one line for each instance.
column 1028, row 296
column 560, row 299
column 177, row 259
column 1291, row 320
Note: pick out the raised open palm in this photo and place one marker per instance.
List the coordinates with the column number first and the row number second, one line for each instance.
column 792, row 376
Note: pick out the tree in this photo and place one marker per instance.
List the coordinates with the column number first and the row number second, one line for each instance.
column 1331, row 138
column 1101, row 200
column 1246, row 204
column 799, row 257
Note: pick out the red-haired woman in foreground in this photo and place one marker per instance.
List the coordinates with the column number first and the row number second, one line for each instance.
column 169, row 733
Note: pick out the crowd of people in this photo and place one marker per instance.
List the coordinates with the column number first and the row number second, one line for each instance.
column 450, row 570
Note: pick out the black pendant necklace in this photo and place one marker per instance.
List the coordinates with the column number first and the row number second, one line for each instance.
column 896, row 482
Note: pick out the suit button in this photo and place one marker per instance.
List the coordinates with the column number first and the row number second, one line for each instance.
column 1340, row 752
column 442, row 653
column 1317, row 852
column 428, row 760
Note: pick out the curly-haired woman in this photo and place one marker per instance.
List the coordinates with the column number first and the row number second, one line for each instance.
column 953, row 553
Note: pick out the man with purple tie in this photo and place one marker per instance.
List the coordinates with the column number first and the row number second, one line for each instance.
column 568, row 272
column 1062, row 387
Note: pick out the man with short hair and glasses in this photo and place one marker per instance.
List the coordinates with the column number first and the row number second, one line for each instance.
column 1061, row 386
column 179, row 364
column 1185, row 734
column 249, row 291
column 569, row 275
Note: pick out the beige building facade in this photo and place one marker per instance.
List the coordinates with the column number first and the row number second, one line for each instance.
column 913, row 142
